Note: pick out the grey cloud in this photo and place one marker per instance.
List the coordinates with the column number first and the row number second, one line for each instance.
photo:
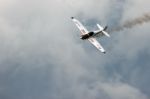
column 41, row 57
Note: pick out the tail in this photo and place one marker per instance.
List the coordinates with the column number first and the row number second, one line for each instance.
column 103, row 30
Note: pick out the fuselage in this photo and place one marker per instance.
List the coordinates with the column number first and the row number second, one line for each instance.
column 86, row 36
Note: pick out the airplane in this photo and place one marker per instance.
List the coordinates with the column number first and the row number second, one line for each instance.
column 91, row 36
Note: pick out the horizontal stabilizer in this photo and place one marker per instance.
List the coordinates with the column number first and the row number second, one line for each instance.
column 105, row 33
column 101, row 28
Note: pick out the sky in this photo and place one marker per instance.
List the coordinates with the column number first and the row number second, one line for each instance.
column 42, row 57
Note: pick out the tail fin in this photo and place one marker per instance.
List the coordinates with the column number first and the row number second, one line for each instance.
column 105, row 28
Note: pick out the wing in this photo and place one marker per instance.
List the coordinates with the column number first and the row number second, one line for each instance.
column 96, row 44
column 80, row 26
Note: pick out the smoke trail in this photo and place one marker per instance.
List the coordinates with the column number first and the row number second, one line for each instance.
column 132, row 23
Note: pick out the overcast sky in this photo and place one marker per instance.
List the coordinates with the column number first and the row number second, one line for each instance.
column 42, row 57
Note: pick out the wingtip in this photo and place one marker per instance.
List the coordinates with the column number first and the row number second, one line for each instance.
column 72, row 17
column 104, row 52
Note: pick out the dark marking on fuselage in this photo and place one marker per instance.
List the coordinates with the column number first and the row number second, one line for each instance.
column 88, row 35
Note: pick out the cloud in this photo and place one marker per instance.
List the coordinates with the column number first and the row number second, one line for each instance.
column 122, row 91
column 41, row 56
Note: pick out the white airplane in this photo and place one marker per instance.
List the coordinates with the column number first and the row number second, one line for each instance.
column 91, row 36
